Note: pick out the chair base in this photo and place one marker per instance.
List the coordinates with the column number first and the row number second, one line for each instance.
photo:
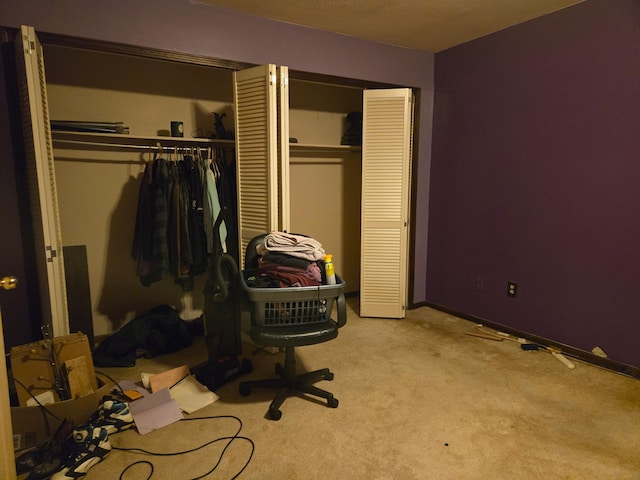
column 291, row 384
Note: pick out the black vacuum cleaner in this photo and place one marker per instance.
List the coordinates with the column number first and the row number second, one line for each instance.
column 221, row 319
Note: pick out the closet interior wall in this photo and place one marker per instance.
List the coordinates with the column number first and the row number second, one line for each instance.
column 325, row 183
column 98, row 185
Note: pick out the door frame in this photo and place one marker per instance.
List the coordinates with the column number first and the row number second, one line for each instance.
column 6, row 429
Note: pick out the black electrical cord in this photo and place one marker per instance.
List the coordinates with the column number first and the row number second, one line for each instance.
column 46, row 410
column 230, row 439
column 160, row 454
column 117, row 385
column 144, row 462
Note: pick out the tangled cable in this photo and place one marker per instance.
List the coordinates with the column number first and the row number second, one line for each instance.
column 229, row 439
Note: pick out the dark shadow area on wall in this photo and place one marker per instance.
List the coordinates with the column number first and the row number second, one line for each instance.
column 122, row 294
column 352, row 193
column 205, row 121
column 311, row 96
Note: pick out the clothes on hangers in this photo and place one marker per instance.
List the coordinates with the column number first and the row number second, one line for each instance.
column 213, row 209
column 178, row 204
column 223, row 167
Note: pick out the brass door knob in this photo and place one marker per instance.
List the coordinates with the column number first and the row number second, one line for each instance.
column 9, row 283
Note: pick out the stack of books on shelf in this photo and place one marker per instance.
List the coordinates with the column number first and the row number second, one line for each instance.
column 92, row 127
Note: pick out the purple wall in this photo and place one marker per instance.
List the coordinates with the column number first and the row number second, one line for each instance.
column 192, row 27
column 536, row 178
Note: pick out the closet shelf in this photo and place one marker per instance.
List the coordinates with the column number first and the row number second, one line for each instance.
column 306, row 147
column 120, row 141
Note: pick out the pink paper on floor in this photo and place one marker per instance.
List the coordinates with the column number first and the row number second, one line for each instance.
column 155, row 411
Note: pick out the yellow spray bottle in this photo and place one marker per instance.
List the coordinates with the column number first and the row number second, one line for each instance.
column 329, row 269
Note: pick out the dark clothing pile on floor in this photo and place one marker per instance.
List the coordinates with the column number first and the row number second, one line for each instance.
column 158, row 331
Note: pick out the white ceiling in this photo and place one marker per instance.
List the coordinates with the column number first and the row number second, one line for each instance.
column 430, row 25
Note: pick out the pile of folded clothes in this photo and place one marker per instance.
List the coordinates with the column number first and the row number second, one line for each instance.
column 288, row 260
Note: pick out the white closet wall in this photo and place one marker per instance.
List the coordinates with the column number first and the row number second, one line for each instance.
column 325, row 183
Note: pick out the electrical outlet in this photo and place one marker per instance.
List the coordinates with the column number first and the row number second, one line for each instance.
column 512, row 289
column 479, row 284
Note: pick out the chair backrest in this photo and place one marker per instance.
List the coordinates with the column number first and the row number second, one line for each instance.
column 251, row 256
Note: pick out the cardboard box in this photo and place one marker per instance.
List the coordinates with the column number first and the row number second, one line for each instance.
column 31, row 366
column 32, row 425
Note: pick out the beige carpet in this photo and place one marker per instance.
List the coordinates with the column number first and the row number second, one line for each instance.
column 419, row 399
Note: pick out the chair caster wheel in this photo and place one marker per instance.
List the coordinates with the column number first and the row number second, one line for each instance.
column 274, row 414
column 244, row 391
column 329, row 376
column 333, row 403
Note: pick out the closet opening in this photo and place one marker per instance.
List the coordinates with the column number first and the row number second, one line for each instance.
column 99, row 176
column 98, row 182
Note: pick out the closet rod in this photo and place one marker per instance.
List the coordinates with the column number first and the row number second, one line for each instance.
column 117, row 146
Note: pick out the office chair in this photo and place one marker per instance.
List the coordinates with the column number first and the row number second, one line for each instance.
column 288, row 318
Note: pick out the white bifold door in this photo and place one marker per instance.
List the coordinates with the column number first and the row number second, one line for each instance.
column 261, row 98
column 42, row 182
column 262, row 147
column 386, row 186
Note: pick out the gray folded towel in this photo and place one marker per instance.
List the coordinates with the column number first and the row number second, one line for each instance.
column 291, row 244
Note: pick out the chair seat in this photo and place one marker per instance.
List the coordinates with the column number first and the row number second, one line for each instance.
column 294, row 335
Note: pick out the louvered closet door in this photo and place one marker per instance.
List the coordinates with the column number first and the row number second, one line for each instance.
column 284, row 215
column 42, row 181
column 262, row 155
column 386, row 153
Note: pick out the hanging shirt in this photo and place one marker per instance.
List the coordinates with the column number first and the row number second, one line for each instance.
column 214, row 202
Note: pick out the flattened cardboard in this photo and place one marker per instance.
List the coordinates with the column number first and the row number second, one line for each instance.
column 168, row 378
column 78, row 377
